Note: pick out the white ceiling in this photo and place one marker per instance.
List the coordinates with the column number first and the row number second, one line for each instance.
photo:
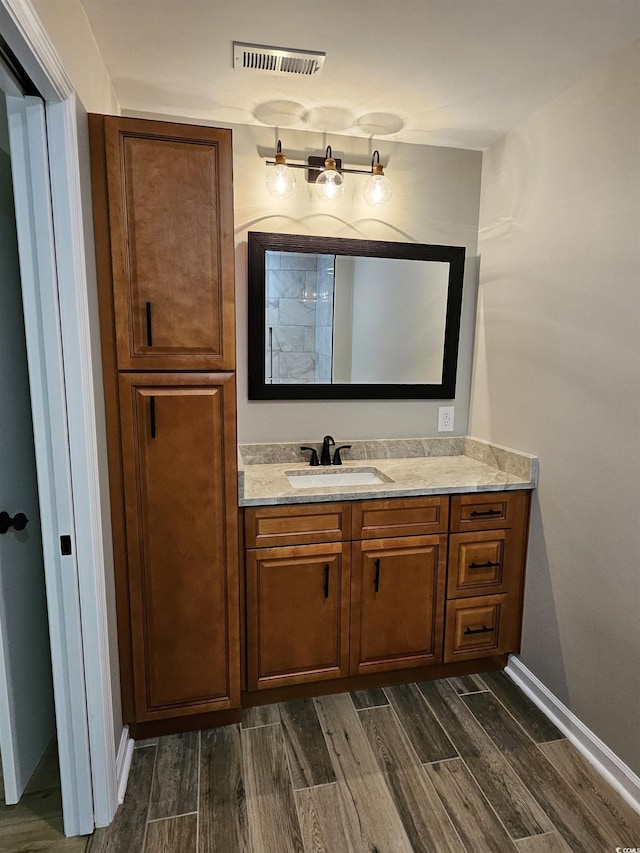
column 438, row 72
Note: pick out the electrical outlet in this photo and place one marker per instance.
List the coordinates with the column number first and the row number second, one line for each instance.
column 445, row 418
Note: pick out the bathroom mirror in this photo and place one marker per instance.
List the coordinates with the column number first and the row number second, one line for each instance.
column 340, row 319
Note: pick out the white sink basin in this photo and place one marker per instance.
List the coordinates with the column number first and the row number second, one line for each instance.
column 336, row 477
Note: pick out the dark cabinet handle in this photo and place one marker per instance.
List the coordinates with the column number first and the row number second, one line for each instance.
column 483, row 630
column 376, row 580
column 326, row 580
column 149, row 332
column 477, row 512
column 152, row 416
column 487, row 565
column 18, row 522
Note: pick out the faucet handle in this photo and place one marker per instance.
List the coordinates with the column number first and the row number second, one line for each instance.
column 314, row 455
column 337, row 460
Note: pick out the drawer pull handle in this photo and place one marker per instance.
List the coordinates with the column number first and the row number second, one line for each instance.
column 478, row 512
column 483, row 630
column 487, row 565
column 376, row 580
column 326, row 580
column 152, row 416
column 149, row 333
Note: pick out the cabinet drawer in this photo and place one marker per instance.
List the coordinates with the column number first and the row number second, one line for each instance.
column 271, row 526
column 400, row 517
column 488, row 511
column 481, row 627
column 484, row 562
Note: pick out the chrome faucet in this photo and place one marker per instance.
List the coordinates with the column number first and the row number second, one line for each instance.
column 325, row 456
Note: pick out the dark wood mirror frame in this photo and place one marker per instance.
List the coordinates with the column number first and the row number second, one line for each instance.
column 259, row 243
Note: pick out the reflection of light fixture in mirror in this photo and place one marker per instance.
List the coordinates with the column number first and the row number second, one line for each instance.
column 378, row 188
column 280, row 179
column 327, row 174
column 330, row 183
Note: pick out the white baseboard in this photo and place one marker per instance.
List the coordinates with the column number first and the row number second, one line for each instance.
column 123, row 763
column 597, row 753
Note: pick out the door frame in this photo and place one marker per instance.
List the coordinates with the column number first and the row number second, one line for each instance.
column 81, row 627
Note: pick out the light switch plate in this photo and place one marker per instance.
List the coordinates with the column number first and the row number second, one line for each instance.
column 445, row 418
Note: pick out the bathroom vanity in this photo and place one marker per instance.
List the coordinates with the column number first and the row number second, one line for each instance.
column 420, row 575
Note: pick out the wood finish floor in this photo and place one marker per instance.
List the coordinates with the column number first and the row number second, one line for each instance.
column 461, row 764
column 35, row 824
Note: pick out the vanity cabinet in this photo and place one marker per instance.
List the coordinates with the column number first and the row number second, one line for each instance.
column 487, row 549
column 397, row 603
column 380, row 587
column 163, row 224
column 298, row 606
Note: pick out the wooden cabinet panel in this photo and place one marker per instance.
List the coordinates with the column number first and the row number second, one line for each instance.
column 489, row 511
column 400, row 517
column 397, row 603
column 171, row 225
column 297, row 524
column 481, row 627
column 485, row 562
column 180, row 487
column 297, row 614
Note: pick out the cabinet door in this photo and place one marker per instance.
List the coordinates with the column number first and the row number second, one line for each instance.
column 397, row 603
column 297, row 614
column 171, row 224
column 180, row 483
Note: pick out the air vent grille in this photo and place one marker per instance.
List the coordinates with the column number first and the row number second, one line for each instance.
column 277, row 60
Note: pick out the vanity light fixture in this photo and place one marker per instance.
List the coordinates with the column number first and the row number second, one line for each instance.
column 327, row 174
column 280, row 179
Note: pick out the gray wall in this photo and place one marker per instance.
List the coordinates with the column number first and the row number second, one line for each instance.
column 557, row 373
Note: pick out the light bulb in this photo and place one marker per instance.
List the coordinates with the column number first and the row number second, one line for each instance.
column 377, row 189
column 280, row 179
column 330, row 183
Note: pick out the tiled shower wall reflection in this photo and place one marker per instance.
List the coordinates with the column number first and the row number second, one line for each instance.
column 299, row 316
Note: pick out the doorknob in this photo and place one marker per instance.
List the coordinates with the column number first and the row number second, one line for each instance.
column 18, row 522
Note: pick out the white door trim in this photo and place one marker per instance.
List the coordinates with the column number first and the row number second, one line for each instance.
column 87, row 626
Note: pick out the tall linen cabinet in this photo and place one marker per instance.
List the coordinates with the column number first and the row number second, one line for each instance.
column 163, row 222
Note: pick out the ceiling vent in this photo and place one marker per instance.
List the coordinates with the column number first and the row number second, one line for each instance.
column 277, row 60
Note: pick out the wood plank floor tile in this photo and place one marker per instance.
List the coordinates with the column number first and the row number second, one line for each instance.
column 309, row 760
column 172, row 835
column 550, row 843
column 261, row 715
column 607, row 805
column 369, row 698
column 423, row 816
column 222, row 805
column 356, row 766
column 127, row 830
column 534, row 722
column 175, row 778
column 329, row 821
column 577, row 825
column 38, row 806
column 467, row 684
column 43, row 836
column 427, row 736
column 474, row 819
column 515, row 806
column 273, row 820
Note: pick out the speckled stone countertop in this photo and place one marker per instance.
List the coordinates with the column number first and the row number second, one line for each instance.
column 411, row 467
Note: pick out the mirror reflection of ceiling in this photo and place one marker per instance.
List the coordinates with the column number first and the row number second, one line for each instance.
column 440, row 72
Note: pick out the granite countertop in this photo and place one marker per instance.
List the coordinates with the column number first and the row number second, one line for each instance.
column 410, row 467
